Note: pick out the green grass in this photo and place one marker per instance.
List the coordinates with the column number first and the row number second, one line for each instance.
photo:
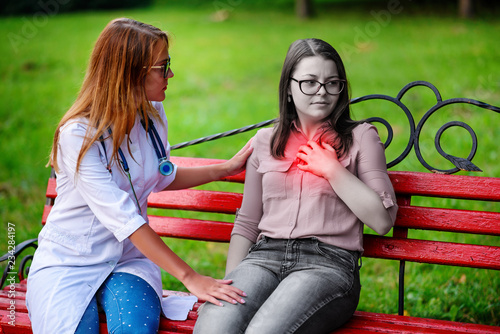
column 226, row 76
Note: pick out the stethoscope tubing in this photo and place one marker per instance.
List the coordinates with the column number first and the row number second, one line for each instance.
column 164, row 165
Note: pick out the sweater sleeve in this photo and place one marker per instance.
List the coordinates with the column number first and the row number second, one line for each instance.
column 372, row 169
column 249, row 215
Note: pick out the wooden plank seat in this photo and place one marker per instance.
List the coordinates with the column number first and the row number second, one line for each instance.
column 399, row 247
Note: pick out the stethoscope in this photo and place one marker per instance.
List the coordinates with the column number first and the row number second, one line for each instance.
column 164, row 165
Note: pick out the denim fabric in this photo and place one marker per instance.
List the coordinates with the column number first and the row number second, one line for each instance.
column 293, row 286
column 131, row 305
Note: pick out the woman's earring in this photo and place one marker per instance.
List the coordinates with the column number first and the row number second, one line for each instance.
column 289, row 98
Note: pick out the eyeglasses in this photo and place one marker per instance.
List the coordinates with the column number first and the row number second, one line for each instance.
column 165, row 68
column 311, row 87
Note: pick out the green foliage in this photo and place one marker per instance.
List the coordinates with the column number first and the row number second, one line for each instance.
column 227, row 61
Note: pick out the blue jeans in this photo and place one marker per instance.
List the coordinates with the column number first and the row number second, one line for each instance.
column 130, row 303
column 293, row 286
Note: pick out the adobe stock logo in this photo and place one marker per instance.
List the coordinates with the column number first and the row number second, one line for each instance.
column 31, row 26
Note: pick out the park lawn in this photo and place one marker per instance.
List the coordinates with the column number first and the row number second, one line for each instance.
column 226, row 76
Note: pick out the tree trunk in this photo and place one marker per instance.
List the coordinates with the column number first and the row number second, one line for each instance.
column 465, row 9
column 304, row 8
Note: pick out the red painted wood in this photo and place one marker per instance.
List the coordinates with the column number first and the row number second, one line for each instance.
column 22, row 323
column 196, row 200
column 51, row 188
column 191, row 228
column 399, row 231
column 366, row 322
column 436, row 252
column 423, row 323
column 177, row 326
column 19, row 287
column 5, row 293
column 186, row 199
column 5, row 303
column 45, row 214
column 197, row 162
column 450, row 220
column 362, row 322
column 406, row 184
column 412, row 183
column 418, row 184
column 447, row 186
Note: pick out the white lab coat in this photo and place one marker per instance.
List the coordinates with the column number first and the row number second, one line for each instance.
column 86, row 235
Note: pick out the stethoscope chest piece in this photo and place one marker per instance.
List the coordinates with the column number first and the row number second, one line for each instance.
column 166, row 167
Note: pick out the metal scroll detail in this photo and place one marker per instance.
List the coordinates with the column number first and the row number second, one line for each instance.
column 390, row 135
column 464, row 164
column 11, row 258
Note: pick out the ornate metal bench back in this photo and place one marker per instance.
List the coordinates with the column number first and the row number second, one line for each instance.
column 415, row 130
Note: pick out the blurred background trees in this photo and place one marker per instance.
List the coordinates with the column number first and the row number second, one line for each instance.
column 465, row 8
column 16, row 7
column 304, row 9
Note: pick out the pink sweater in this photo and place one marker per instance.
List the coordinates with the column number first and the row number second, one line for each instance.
column 280, row 201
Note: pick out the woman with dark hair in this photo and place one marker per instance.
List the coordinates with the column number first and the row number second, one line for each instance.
column 110, row 151
column 312, row 183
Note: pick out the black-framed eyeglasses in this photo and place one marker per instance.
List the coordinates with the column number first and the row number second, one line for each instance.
column 311, row 87
column 164, row 67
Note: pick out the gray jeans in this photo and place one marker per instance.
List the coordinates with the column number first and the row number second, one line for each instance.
column 293, row 286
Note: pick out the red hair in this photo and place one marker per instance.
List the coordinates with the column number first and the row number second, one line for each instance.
column 112, row 92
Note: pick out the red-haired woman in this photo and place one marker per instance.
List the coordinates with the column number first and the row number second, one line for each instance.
column 110, row 151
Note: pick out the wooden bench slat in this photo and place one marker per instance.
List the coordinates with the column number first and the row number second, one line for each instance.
column 424, row 322
column 434, row 252
column 406, row 324
column 51, row 188
column 191, row 228
column 186, row 199
column 22, row 323
column 18, row 294
column 450, row 220
column 416, row 184
column 197, row 162
column 367, row 322
column 196, row 200
column 20, row 304
column 361, row 322
column 45, row 214
column 447, row 186
column 177, row 326
column 408, row 216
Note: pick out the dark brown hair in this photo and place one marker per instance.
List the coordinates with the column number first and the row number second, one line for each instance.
column 339, row 122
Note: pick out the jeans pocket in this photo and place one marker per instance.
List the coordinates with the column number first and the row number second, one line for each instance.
column 342, row 257
column 257, row 245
